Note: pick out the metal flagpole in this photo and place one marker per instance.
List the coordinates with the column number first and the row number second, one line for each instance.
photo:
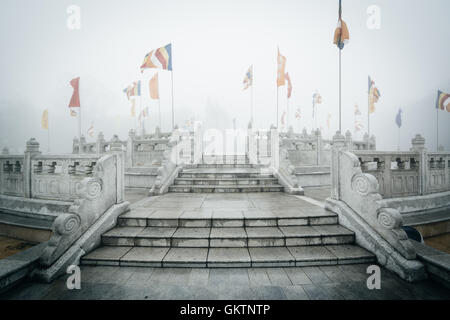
column 159, row 112
column 287, row 114
column 251, row 97
column 277, row 104
column 340, row 92
column 79, row 122
column 437, row 129
column 368, row 113
column 173, row 116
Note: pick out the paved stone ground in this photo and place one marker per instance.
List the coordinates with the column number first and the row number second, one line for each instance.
column 10, row 246
column 134, row 195
column 318, row 193
column 306, row 283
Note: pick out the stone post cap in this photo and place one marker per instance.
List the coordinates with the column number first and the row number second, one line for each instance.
column 272, row 127
column 418, row 143
column 115, row 144
column 318, row 133
column 348, row 135
column 5, row 150
column 176, row 127
column 32, row 146
column 75, row 139
column 82, row 139
column 366, row 137
column 338, row 140
column 304, row 132
column 441, row 148
column 131, row 133
column 101, row 137
column 250, row 125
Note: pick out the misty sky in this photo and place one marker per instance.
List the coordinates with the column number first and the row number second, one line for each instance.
column 214, row 43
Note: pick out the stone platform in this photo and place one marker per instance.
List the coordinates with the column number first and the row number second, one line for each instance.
column 227, row 230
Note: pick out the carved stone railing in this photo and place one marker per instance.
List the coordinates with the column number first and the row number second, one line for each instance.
column 356, row 199
column 93, row 184
column 409, row 173
column 312, row 150
column 171, row 164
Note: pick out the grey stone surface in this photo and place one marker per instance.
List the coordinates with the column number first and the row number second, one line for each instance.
column 186, row 257
column 141, row 256
column 111, row 254
column 220, row 257
column 307, row 255
column 271, row 257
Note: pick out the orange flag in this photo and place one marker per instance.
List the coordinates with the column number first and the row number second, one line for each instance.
column 154, row 87
column 281, row 75
column 75, row 100
column 289, row 91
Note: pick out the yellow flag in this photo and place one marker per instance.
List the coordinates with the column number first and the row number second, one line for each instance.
column 281, row 74
column 133, row 108
column 44, row 120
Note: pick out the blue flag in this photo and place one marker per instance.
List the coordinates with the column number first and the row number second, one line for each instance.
column 398, row 118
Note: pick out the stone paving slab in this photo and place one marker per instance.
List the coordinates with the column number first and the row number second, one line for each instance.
column 107, row 255
column 350, row 254
column 271, row 257
column 144, row 256
column 310, row 255
column 186, row 257
column 228, row 257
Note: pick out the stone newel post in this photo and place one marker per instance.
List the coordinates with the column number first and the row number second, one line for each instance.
column 337, row 148
column 100, row 143
column 274, row 147
column 318, row 135
column 116, row 149
column 418, row 145
column 31, row 149
column 5, row 151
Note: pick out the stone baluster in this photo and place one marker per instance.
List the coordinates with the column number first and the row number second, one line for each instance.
column 100, row 143
column 5, row 151
column 348, row 141
column 274, row 147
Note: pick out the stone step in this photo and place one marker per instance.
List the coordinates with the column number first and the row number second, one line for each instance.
column 225, row 188
column 227, row 237
column 221, row 166
column 224, row 175
column 226, row 181
column 312, row 169
column 227, row 218
column 228, row 257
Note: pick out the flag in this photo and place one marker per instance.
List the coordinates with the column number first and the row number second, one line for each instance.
column 298, row 114
column 443, row 101
column 133, row 108
column 398, row 118
column 90, row 131
column 357, row 112
column 248, row 79
column 73, row 113
column 317, row 99
column 341, row 34
column 374, row 95
column 44, row 120
column 281, row 75
column 160, row 58
column 154, row 87
column 289, row 91
column 133, row 90
column 358, row 125
column 75, row 100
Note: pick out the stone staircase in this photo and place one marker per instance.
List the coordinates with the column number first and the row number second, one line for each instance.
column 225, row 174
column 227, row 238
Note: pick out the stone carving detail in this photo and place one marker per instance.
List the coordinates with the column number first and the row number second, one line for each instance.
column 390, row 218
column 66, row 224
column 92, row 188
column 364, row 184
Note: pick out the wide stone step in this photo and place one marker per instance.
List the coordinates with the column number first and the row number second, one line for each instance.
column 226, row 218
column 203, row 174
column 231, row 237
column 226, row 181
column 228, row 257
column 225, row 189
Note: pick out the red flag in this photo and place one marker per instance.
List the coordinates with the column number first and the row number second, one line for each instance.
column 75, row 100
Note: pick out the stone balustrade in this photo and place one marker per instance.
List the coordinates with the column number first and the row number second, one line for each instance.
column 356, row 198
column 92, row 186
column 410, row 173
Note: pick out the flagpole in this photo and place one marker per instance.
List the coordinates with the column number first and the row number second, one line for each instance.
column 251, row 99
column 277, row 104
column 340, row 92
column 79, row 122
column 368, row 113
column 173, row 115
column 287, row 115
column 437, row 129
column 159, row 111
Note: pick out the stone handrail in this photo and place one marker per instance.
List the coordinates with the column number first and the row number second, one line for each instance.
column 170, row 167
column 94, row 185
column 286, row 171
column 355, row 197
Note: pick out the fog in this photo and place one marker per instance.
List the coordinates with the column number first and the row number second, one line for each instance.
column 213, row 45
